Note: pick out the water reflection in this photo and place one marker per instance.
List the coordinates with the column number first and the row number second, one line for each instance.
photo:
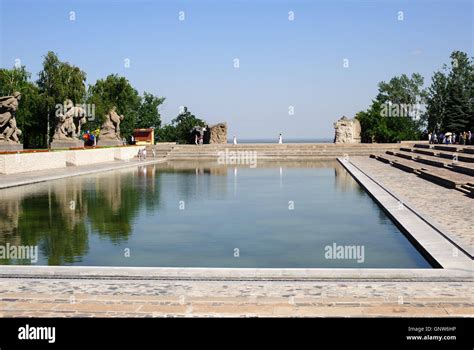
column 69, row 218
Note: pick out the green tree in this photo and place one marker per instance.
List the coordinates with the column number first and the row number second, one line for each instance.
column 12, row 80
column 30, row 106
column 394, row 114
column 148, row 114
column 449, row 105
column 115, row 91
column 180, row 128
column 167, row 133
column 435, row 114
column 403, row 92
column 459, row 98
column 57, row 82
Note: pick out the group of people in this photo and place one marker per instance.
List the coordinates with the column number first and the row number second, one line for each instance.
column 464, row 138
column 198, row 139
column 142, row 154
column 90, row 138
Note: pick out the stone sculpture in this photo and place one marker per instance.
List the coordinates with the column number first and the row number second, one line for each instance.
column 68, row 126
column 9, row 132
column 218, row 133
column 347, row 130
column 110, row 129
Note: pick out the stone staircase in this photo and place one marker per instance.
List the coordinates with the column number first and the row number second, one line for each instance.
column 276, row 152
column 161, row 150
column 451, row 166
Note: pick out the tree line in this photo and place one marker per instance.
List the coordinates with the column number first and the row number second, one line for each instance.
column 59, row 80
column 404, row 110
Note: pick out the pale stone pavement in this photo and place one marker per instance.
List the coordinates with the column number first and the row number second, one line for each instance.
column 448, row 208
column 158, row 298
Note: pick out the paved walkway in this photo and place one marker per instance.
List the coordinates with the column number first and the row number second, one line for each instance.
column 13, row 180
column 118, row 298
column 448, row 208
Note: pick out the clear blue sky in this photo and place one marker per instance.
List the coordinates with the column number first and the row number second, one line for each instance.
column 282, row 63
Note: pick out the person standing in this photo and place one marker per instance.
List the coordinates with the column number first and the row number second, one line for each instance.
column 280, row 139
column 430, row 138
column 469, row 137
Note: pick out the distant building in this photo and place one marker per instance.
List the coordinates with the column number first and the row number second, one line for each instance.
column 144, row 137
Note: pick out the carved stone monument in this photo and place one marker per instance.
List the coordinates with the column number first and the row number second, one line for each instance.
column 218, row 133
column 347, row 130
column 110, row 130
column 68, row 127
column 9, row 132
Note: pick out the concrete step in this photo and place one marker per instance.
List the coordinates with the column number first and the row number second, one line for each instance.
column 447, row 148
column 400, row 163
column 461, row 157
column 468, row 149
column 440, row 176
column 468, row 187
column 425, row 151
column 458, row 166
column 405, row 155
column 445, row 177
column 422, row 145
column 464, row 168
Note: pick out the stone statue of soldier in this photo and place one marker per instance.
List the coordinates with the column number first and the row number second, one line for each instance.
column 66, row 134
column 110, row 129
column 9, row 131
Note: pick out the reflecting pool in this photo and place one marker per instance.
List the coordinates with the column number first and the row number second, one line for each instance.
column 287, row 215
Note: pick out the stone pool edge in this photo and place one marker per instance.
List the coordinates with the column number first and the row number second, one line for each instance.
column 453, row 270
column 421, row 231
column 22, row 179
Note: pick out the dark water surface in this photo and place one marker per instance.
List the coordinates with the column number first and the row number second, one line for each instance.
column 277, row 215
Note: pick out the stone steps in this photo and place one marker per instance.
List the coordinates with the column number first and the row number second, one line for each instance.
column 463, row 157
column 442, row 158
column 275, row 151
column 467, row 149
column 422, row 145
column 441, row 176
column 325, row 146
column 161, row 151
column 448, row 148
column 457, row 166
column 409, row 166
column 464, row 168
column 468, row 189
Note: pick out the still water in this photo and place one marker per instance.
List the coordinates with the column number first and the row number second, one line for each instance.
column 288, row 215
